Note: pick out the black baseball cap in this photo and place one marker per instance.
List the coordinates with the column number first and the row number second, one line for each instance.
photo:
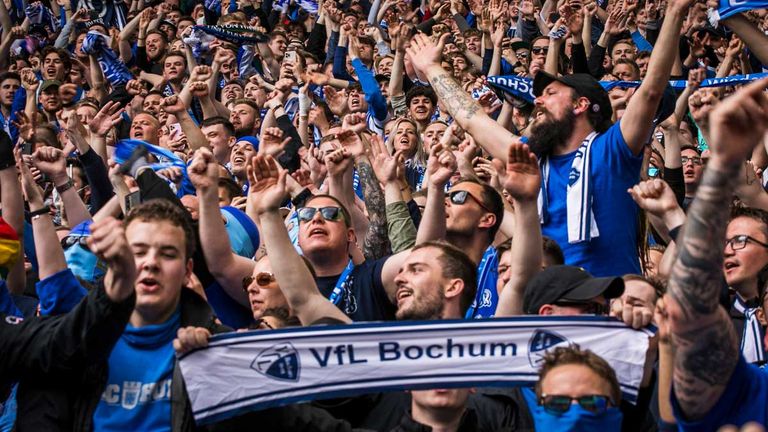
column 585, row 86
column 567, row 283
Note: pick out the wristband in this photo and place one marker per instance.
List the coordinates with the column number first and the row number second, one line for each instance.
column 65, row 187
column 301, row 198
column 39, row 212
column 674, row 232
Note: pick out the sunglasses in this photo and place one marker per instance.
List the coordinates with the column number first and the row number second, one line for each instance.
column 70, row 241
column 460, row 197
column 540, row 50
column 333, row 214
column 262, row 279
column 560, row 404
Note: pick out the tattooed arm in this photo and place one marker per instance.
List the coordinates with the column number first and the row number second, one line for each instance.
column 707, row 345
column 376, row 244
column 425, row 57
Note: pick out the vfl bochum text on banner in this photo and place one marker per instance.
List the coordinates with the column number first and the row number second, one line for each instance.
column 256, row 370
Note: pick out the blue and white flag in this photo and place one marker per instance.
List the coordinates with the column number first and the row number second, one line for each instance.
column 165, row 158
column 728, row 8
column 115, row 71
column 242, row 372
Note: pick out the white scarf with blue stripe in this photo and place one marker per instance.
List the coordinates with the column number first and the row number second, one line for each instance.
column 581, row 219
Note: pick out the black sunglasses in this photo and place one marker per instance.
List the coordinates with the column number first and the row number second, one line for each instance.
column 540, row 50
column 70, row 241
column 560, row 404
column 333, row 214
column 460, row 197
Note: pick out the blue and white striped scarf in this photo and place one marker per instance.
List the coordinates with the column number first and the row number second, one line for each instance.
column 115, row 71
column 581, row 219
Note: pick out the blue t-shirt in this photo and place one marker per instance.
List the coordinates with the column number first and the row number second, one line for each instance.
column 138, row 392
column 614, row 169
column 367, row 300
column 744, row 400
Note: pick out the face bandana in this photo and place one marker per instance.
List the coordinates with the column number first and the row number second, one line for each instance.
column 576, row 419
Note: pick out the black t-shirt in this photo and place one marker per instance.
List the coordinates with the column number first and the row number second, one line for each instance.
column 366, row 300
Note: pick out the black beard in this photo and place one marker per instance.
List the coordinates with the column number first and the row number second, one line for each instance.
column 551, row 133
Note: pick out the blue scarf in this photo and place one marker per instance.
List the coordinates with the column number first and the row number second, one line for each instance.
column 237, row 34
column 487, row 297
column 40, row 15
column 576, row 419
column 114, row 69
column 165, row 157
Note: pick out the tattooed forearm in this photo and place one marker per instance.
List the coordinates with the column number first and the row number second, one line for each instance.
column 376, row 244
column 697, row 273
column 707, row 346
column 459, row 103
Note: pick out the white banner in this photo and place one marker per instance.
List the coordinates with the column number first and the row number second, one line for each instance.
column 241, row 372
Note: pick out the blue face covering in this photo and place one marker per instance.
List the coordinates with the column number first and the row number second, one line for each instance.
column 84, row 264
column 576, row 419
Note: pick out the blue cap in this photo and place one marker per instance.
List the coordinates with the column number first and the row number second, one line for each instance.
column 250, row 139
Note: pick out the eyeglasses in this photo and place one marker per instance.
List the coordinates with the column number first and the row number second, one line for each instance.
column 560, row 404
column 262, row 279
column 586, row 308
column 540, row 50
column 740, row 242
column 696, row 160
column 460, row 197
column 333, row 214
column 70, row 241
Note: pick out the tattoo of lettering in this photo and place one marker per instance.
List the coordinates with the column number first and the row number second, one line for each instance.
column 707, row 345
column 459, row 103
column 376, row 244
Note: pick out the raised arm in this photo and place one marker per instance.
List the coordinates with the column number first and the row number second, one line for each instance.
column 707, row 345
column 425, row 57
column 522, row 182
column 226, row 267
column 753, row 37
column 440, row 167
column 295, row 281
column 638, row 118
column 53, row 162
column 174, row 105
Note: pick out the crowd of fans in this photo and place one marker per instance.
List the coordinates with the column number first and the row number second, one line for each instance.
column 172, row 170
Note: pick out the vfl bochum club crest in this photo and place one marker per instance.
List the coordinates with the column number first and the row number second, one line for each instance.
column 280, row 362
column 541, row 342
